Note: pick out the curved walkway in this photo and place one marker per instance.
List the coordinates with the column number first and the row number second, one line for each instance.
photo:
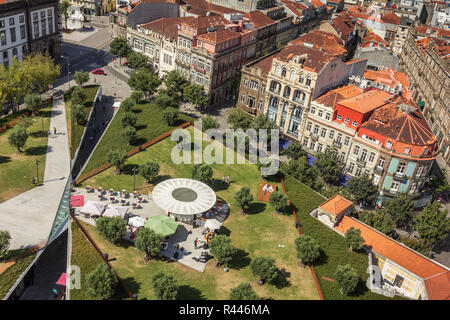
column 29, row 216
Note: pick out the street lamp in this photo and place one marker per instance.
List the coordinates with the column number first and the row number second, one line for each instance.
column 37, row 171
column 134, row 178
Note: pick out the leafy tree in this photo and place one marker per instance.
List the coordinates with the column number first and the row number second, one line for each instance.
column 264, row 268
column 112, row 229
column 175, row 83
column 129, row 134
column 195, row 94
column 120, row 48
column 41, row 70
column 222, row 249
column 399, row 208
column 136, row 96
column 81, row 77
column 78, row 113
column 439, row 183
column 239, row 119
column 137, row 60
column 145, row 81
column 432, row 223
column 244, row 291
column 380, row 221
column 209, row 122
column 101, row 283
column 362, row 188
column 128, row 119
column 202, row 172
column 16, row 82
column 307, row 249
column 278, row 200
column 165, row 101
column 26, row 122
column 18, row 138
column 33, row 102
column 149, row 170
column 116, row 158
column 78, row 96
column 294, row 151
column 148, row 241
column 165, row 286
column 301, row 170
column 170, row 115
column 243, row 198
column 329, row 166
column 5, row 239
column 353, row 239
column 346, row 278
column 127, row 104
column 64, row 7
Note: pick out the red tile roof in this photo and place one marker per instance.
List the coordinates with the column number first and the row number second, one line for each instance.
column 344, row 25
column 391, row 18
column 265, row 64
column 332, row 97
column 206, row 6
column 258, row 19
column 296, row 7
column 314, row 59
column 322, row 39
column 168, row 27
column 336, row 205
column 436, row 277
column 374, row 39
column 218, row 36
column 366, row 101
column 206, row 22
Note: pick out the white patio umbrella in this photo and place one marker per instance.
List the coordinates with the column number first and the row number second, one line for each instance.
column 136, row 222
column 113, row 211
column 93, row 208
column 212, row 224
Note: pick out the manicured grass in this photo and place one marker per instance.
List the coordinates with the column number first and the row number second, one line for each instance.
column 76, row 130
column 149, row 125
column 257, row 233
column 334, row 250
column 10, row 276
column 16, row 170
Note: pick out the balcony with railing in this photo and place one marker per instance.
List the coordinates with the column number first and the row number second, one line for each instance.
column 378, row 169
column 361, row 161
column 399, row 175
column 314, row 136
column 337, row 144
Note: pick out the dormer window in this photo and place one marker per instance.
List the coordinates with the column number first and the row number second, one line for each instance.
column 277, row 70
column 283, row 72
column 388, row 144
column 406, row 150
column 425, row 151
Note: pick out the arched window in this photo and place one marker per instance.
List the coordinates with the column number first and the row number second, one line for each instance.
column 14, row 52
column 292, row 75
column 275, row 86
column 297, row 95
column 277, row 70
column 283, row 72
column 301, row 78
column 5, row 58
column 287, row 92
column 308, row 81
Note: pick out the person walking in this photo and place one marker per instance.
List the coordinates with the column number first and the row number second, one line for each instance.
column 55, row 293
column 54, row 130
column 195, row 243
column 228, row 179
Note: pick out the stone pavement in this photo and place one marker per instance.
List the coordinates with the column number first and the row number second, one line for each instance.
column 29, row 216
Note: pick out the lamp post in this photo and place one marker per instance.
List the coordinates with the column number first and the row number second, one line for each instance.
column 134, row 178
column 37, row 171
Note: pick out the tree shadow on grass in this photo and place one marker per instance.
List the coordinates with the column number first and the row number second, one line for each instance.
column 272, row 179
column 37, row 151
column 255, row 208
column 240, row 260
column 140, row 127
column 128, row 169
column 137, row 111
column 160, row 178
column 225, row 231
column 186, row 292
column 281, row 281
column 139, row 141
column 131, row 284
column 360, row 290
column 45, row 113
column 220, row 185
column 38, row 134
column 322, row 259
column 4, row 159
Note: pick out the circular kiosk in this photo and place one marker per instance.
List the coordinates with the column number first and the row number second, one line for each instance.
column 184, row 198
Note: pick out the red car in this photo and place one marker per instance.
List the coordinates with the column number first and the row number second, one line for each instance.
column 98, row 71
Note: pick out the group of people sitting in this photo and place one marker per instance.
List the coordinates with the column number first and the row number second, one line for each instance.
column 267, row 188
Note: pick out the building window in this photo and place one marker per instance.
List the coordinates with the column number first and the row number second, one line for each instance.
column 277, row 70
column 313, row 110
column 260, row 105
column 339, row 117
column 346, row 141
column 363, row 154
column 381, row 162
column 327, row 116
column 358, row 171
column 305, row 141
column 244, row 83
column 263, row 88
column 316, row 129
column 356, row 150
column 351, row 167
column 11, row 21
column 320, row 113
column 319, row 147
column 292, row 75
column 13, row 34
column 36, row 29
column 388, row 145
column 35, row 16
column 308, row 126
column 242, row 98
column 413, row 187
column 50, row 25
column 22, row 32
column 376, row 179
column 354, row 123
column 49, row 12
column 312, row 145
column 371, row 157
column 3, row 37
column 14, row 52
column 5, row 58
column 283, row 72
column 401, row 168
column 331, row 134
column 347, row 120
column 339, row 138
column 42, row 14
column 301, row 78
column 21, row 19
column 323, row 133
column 287, row 92
column 394, row 186
column 253, row 85
column 406, row 150
column 308, row 81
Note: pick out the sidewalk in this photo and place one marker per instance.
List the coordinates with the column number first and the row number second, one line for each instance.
column 29, row 216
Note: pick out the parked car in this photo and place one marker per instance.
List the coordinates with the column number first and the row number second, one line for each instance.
column 98, row 71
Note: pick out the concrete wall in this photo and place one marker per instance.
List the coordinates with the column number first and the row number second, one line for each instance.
column 148, row 12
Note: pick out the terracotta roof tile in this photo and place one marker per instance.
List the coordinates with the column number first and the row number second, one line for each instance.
column 258, row 19
column 391, row 18
column 336, row 205
column 374, row 39
column 265, row 64
column 367, row 101
column 218, row 36
column 321, row 39
column 332, row 97
column 437, row 278
column 206, row 22
column 315, row 59
column 168, row 27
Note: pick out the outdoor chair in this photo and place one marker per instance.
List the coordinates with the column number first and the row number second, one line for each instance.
column 134, row 205
column 88, row 188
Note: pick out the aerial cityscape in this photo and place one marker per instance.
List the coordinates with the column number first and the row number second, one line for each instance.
column 233, row 150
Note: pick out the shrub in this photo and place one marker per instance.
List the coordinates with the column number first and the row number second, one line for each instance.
column 346, row 278
column 149, row 170
column 264, row 268
column 222, row 249
column 5, row 239
column 81, row 77
column 78, row 96
column 129, row 134
column 78, row 113
column 165, row 286
column 307, row 249
column 209, row 122
column 112, row 229
column 18, row 138
column 127, row 104
column 149, row 242
column 244, row 291
column 170, row 115
column 279, row 201
column 101, row 283
column 202, row 172
column 243, row 198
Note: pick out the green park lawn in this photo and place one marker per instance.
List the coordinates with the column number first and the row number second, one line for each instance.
column 76, row 130
column 149, row 125
column 334, row 250
column 257, row 233
column 16, row 170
